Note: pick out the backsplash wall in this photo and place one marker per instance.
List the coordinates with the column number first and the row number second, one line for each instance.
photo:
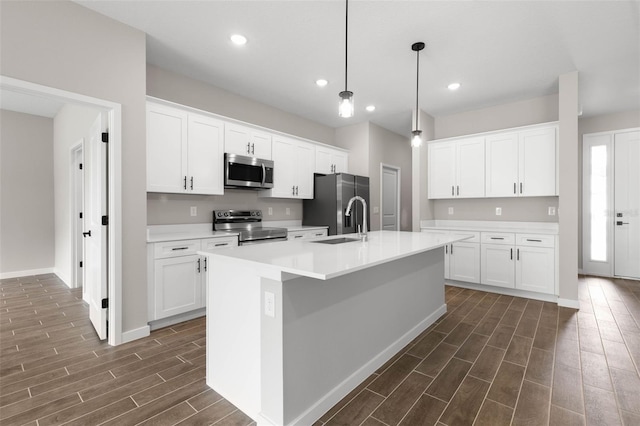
column 519, row 209
column 168, row 209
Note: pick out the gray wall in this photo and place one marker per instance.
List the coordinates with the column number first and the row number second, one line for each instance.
column 64, row 45
column 175, row 208
column 355, row 138
column 26, row 192
column 70, row 126
column 394, row 150
column 521, row 113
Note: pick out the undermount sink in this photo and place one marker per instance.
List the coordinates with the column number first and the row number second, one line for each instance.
column 337, row 240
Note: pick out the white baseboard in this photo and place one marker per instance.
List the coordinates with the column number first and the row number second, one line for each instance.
column 506, row 291
column 569, row 303
column 176, row 319
column 135, row 334
column 26, row 273
column 336, row 394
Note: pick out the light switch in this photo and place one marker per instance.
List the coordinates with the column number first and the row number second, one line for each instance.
column 498, row 211
column 269, row 304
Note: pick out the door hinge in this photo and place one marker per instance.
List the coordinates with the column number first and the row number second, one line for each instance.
column 105, row 220
column 105, row 303
column 105, row 137
column 81, row 263
column 80, row 214
column 80, row 166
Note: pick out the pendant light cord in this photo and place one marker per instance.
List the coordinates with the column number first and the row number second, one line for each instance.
column 346, row 43
column 417, row 86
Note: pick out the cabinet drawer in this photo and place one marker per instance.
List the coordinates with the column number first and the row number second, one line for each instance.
column 535, row 240
column 217, row 243
column 475, row 236
column 176, row 248
column 498, row 238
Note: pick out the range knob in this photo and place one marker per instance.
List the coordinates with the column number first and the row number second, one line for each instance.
column 258, row 213
column 226, row 214
column 219, row 214
column 253, row 213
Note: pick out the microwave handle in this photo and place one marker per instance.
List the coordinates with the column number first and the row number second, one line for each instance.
column 264, row 174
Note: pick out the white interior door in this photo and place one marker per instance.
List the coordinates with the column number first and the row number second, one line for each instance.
column 627, row 204
column 95, row 233
column 77, row 160
column 390, row 199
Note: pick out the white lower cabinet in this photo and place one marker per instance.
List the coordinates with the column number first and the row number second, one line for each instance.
column 535, row 268
column 306, row 234
column 497, row 265
column 177, row 275
column 464, row 262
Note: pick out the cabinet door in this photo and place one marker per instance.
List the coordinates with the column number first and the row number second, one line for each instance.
column 537, row 165
column 166, row 149
column 340, row 162
column 464, row 262
column 284, row 150
column 324, row 162
column 177, row 285
column 237, row 139
column 535, row 269
column 470, row 168
column 497, row 267
column 501, row 165
column 442, row 170
column 205, row 155
column 304, row 162
column 261, row 145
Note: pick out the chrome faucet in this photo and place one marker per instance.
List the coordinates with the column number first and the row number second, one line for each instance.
column 364, row 234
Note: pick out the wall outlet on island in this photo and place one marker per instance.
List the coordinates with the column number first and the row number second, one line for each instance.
column 450, row 210
column 194, row 211
column 270, row 211
column 498, row 211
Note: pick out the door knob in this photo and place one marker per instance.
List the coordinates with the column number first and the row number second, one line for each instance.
column 86, row 234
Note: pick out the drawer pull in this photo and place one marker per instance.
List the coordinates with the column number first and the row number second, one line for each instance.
column 297, row 236
column 534, row 241
column 497, row 238
column 511, row 255
column 221, row 244
column 320, row 234
column 180, row 248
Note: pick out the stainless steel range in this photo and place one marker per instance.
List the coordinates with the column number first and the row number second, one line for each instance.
column 248, row 223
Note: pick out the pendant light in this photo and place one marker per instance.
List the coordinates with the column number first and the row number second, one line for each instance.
column 345, row 107
column 416, row 135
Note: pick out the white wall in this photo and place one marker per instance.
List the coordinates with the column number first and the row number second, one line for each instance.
column 26, row 193
column 64, row 45
column 70, row 125
column 175, row 208
column 355, row 138
column 422, row 205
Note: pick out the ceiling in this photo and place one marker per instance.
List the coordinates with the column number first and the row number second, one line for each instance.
column 499, row 51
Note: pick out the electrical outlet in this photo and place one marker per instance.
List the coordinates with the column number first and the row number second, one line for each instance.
column 376, row 210
column 552, row 211
column 194, row 211
column 498, row 211
column 288, row 211
column 270, row 211
column 450, row 210
column 269, row 304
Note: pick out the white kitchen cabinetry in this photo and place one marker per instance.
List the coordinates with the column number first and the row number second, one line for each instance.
column 521, row 164
column 456, row 169
column 497, row 259
column 293, row 164
column 535, row 263
column 306, row 234
column 177, row 278
column 462, row 259
column 184, row 151
column 247, row 141
column 329, row 160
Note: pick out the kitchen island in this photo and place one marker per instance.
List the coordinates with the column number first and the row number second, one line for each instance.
column 293, row 326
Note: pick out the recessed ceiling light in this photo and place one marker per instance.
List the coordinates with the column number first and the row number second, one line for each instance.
column 238, row 39
column 454, row 86
column 371, row 108
column 322, row 82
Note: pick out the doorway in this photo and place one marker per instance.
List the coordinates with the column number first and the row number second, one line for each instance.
column 390, row 198
column 77, row 201
column 611, row 204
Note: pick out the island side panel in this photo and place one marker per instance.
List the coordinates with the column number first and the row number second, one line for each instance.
column 335, row 333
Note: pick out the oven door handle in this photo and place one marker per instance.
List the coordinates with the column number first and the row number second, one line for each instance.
column 264, row 174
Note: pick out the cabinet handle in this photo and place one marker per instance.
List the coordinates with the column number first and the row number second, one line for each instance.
column 253, row 148
column 457, row 189
column 534, row 241
column 296, row 189
column 514, row 188
column 518, row 254
column 293, row 190
column 248, row 147
column 221, row 244
column 192, row 183
column 185, row 183
column 451, row 248
column 497, row 238
column 511, row 254
column 198, row 269
column 319, row 235
column 205, row 263
column 179, row 248
column 446, row 249
column 452, row 193
column 521, row 187
column 297, row 236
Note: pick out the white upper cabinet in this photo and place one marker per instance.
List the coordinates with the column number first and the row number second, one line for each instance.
column 247, row 141
column 456, row 168
column 184, row 151
column 521, row 164
column 293, row 168
column 329, row 160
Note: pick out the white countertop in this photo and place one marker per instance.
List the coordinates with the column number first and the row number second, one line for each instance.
column 160, row 233
column 304, row 228
column 326, row 261
column 491, row 226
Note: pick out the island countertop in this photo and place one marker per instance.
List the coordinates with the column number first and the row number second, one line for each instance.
column 326, row 261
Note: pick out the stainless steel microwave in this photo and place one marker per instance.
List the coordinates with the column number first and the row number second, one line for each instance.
column 247, row 172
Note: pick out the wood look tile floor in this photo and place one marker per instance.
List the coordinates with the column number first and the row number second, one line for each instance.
column 491, row 360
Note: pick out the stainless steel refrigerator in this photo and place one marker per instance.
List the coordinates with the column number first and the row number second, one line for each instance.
column 331, row 196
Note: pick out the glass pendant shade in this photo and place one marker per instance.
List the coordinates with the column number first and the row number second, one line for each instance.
column 416, row 138
column 345, row 108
